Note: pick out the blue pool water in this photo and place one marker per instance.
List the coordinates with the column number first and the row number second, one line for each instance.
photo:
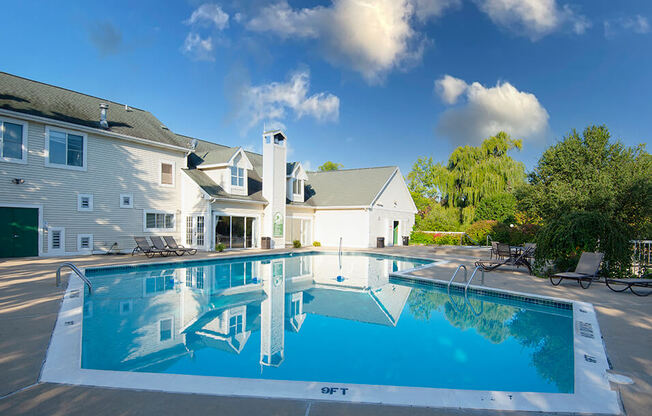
column 291, row 318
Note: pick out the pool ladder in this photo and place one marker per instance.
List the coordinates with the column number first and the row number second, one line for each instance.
column 78, row 272
column 466, row 289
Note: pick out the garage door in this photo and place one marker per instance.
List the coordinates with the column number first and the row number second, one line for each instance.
column 18, row 232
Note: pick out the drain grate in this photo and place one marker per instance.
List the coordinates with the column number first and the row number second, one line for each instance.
column 68, row 323
column 590, row 359
column 585, row 329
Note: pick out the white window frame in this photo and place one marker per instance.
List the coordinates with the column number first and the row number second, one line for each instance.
column 80, row 208
column 23, row 159
column 90, row 243
column 131, row 200
column 62, row 240
column 237, row 176
column 126, row 302
column 160, row 173
column 84, row 165
column 171, row 319
column 159, row 230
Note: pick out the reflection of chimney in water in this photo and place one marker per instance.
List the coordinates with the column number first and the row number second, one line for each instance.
column 103, row 123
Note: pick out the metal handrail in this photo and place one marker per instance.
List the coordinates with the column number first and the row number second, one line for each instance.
column 461, row 266
column 77, row 272
column 466, row 288
column 453, row 304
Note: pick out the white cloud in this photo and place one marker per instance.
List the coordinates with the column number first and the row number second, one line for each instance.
column 307, row 165
column 209, row 13
column 198, row 48
column 486, row 111
column 269, row 103
column 637, row 24
column 450, row 88
column 370, row 36
column 535, row 18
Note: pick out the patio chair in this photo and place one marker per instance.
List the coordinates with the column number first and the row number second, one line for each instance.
column 172, row 244
column 643, row 282
column 143, row 246
column 160, row 245
column 512, row 260
column 494, row 249
column 503, row 250
column 585, row 272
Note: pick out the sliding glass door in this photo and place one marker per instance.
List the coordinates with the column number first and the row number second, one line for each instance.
column 235, row 231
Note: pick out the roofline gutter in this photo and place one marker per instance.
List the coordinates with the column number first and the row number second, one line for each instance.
column 247, row 201
column 100, row 132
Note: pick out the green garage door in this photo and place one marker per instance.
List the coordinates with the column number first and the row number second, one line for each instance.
column 18, row 232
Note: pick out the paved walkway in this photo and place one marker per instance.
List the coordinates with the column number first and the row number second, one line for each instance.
column 29, row 304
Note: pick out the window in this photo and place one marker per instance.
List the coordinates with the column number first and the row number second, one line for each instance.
column 237, row 176
column 167, row 174
column 84, row 202
column 297, row 186
column 155, row 220
column 13, row 138
column 65, row 149
column 189, row 230
column 165, row 328
column 126, row 201
column 85, row 242
column 56, row 239
column 125, row 307
column 235, row 324
column 200, row 230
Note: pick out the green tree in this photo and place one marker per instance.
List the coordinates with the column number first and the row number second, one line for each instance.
column 471, row 174
column 591, row 194
column 499, row 207
column 328, row 165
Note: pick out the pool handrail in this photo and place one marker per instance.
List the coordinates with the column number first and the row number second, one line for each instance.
column 466, row 287
column 78, row 272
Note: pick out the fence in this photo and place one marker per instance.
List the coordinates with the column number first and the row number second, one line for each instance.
column 642, row 256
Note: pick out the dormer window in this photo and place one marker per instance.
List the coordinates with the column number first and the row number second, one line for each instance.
column 297, row 187
column 237, row 176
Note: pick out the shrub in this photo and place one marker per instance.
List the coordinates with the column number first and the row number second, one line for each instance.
column 421, row 238
column 480, row 229
column 523, row 233
column 447, row 239
column 220, row 247
column 434, row 217
column 499, row 207
column 296, row 244
column 316, row 244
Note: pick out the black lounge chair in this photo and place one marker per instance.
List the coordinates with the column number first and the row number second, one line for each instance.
column 504, row 250
column 644, row 282
column 585, row 272
column 172, row 244
column 143, row 246
column 160, row 245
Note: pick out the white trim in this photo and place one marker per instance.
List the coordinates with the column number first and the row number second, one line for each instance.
column 382, row 189
column 248, row 165
column 25, row 125
column 84, row 136
column 159, row 230
column 162, row 162
column 100, row 132
column 238, row 200
column 79, row 202
column 131, row 200
column 62, row 241
column 80, row 249
column 40, row 220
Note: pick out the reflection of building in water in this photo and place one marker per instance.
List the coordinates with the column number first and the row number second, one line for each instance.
column 154, row 318
column 272, row 313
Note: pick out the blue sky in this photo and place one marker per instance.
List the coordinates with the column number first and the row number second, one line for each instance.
column 360, row 82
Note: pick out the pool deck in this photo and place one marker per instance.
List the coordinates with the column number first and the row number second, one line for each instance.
column 29, row 305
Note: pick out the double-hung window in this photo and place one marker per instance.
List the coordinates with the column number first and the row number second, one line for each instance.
column 13, row 137
column 237, row 176
column 159, row 221
column 167, row 173
column 297, row 186
column 65, row 149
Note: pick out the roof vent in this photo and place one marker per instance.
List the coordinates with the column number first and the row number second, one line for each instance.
column 164, row 127
column 193, row 144
column 127, row 108
column 103, row 123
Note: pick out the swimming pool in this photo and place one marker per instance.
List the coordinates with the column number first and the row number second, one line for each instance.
column 339, row 326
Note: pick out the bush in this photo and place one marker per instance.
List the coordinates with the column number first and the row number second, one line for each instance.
column 220, row 247
column 521, row 234
column 446, row 239
column 296, row 244
column 563, row 240
column 421, row 238
column 434, row 217
column 316, row 244
column 499, row 207
column 480, row 229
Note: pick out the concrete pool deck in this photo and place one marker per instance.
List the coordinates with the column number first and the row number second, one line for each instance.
column 29, row 305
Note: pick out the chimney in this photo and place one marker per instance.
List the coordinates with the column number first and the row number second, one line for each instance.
column 274, row 186
column 103, row 123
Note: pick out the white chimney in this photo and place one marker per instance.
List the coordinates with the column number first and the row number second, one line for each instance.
column 274, row 167
column 103, row 123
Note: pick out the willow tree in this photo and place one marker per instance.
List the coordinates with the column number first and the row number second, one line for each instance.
column 471, row 174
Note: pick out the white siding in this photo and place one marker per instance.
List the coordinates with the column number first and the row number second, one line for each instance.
column 350, row 224
column 114, row 167
column 393, row 204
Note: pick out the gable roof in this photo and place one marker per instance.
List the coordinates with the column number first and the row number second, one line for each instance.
column 214, row 190
column 348, row 187
column 48, row 101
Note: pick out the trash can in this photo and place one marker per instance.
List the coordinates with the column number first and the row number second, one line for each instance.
column 266, row 242
column 406, row 240
column 380, row 242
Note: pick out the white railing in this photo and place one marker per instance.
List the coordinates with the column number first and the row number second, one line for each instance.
column 642, row 256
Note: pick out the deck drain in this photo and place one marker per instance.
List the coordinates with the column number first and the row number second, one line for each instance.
column 583, row 310
column 585, row 329
column 68, row 323
column 619, row 378
column 590, row 358
column 74, row 294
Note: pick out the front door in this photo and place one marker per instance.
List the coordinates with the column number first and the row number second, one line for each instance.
column 395, row 234
column 18, row 232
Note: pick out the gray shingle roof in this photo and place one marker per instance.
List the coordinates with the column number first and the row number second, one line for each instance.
column 349, row 187
column 289, row 168
column 38, row 99
column 216, row 191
